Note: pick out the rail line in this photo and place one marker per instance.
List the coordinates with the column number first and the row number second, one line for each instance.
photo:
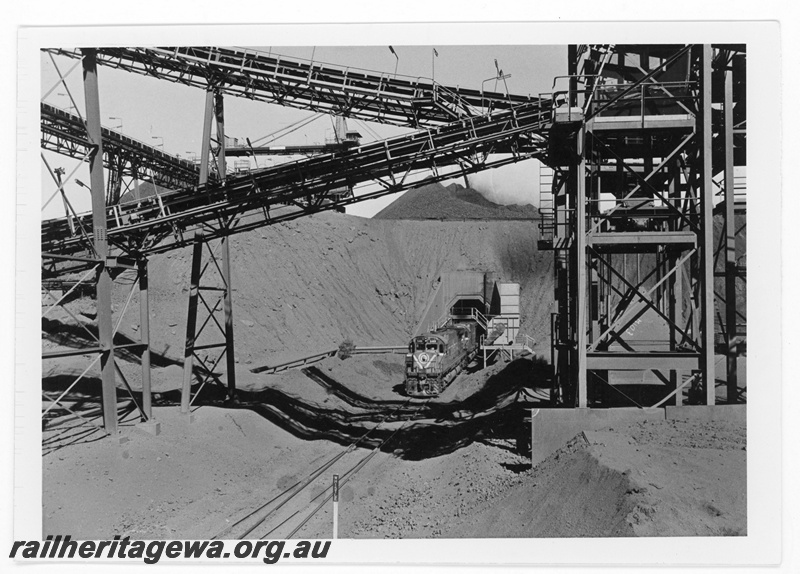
column 293, row 491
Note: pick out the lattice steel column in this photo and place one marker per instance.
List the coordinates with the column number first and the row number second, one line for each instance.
column 213, row 114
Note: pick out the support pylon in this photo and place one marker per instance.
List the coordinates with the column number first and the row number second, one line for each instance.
column 104, row 321
column 204, row 367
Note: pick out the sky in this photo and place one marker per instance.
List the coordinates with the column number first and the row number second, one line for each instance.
column 168, row 115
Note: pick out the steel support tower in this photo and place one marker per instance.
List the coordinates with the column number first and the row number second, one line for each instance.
column 218, row 259
column 95, row 338
column 642, row 146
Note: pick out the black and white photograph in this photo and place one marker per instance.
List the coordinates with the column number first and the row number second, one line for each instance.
column 346, row 289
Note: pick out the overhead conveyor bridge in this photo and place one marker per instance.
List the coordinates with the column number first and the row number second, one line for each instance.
column 337, row 90
column 65, row 133
column 165, row 221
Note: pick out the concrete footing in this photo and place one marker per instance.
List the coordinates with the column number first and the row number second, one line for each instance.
column 151, row 427
column 551, row 429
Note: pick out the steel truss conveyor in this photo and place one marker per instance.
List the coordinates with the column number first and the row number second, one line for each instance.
column 341, row 91
column 65, row 133
column 165, row 222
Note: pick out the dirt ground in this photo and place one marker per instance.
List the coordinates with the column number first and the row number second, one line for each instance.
column 450, row 470
column 446, row 467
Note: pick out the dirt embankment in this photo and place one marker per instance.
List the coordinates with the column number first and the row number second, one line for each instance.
column 305, row 286
column 197, row 479
column 654, row 478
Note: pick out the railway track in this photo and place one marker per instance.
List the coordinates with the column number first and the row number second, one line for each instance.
column 288, row 512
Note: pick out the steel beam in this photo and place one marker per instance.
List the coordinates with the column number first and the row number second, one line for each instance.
column 191, row 323
column 582, row 292
column 603, row 361
column 144, row 328
column 683, row 240
column 104, row 284
column 208, row 117
column 731, row 270
column 227, row 297
column 674, row 291
column 706, row 274
column 635, row 123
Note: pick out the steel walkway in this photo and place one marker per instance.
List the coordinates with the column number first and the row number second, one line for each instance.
column 166, row 221
column 337, row 90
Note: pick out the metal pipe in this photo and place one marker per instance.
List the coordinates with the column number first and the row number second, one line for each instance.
column 104, row 320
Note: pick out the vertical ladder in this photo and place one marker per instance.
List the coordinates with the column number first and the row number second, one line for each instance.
column 546, row 207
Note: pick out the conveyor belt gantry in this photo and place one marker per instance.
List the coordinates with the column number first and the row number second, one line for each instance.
column 342, row 91
column 462, row 147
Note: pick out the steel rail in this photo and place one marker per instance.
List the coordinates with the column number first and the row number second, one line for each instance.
column 304, row 483
column 351, row 472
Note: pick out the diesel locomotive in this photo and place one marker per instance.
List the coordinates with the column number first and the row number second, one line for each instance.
column 435, row 358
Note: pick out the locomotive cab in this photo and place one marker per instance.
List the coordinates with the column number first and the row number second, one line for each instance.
column 435, row 358
column 423, row 365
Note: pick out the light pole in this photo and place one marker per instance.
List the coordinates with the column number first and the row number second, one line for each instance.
column 70, row 107
column 119, row 127
column 483, row 83
column 397, row 59
column 59, row 171
column 434, row 55
column 161, row 145
column 497, row 78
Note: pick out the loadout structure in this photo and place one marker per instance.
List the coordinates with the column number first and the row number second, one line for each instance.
column 648, row 162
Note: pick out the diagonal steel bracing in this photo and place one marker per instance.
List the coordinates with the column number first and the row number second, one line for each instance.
column 649, row 144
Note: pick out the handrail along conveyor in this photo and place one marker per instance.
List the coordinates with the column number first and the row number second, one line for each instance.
column 456, row 142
